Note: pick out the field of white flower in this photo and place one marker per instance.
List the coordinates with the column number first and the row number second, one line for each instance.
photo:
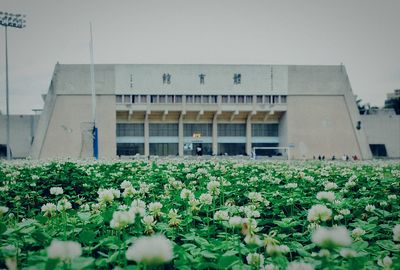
column 199, row 215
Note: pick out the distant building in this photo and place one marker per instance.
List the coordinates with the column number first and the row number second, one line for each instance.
column 224, row 109
column 393, row 101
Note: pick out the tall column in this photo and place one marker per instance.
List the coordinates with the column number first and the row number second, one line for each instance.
column 215, row 135
column 248, row 135
column 180, row 135
column 146, row 135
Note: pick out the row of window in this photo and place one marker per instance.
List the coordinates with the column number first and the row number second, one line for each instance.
column 202, row 130
column 205, row 99
column 165, row 149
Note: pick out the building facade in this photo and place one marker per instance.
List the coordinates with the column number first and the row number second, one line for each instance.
column 223, row 109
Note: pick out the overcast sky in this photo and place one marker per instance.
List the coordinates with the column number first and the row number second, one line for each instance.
column 362, row 34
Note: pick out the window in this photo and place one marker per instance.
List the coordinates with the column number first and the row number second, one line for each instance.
column 201, row 76
column 189, row 99
column 259, row 99
column 166, row 130
column 232, row 99
column 214, row 99
column 267, row 99
column 237, row 78
column 240, row 99
column 224, row 99
column 118, row 98
column 204, row 129
column 153, row 99
column 130, row 149
column 127, row 99
column 275, row 99
column 130, row 130
column 197, row 99
column 135, row 99
column 178, row 99
column 232, row 149
column 283, row 99
column 163, row 149
column 249, row 99
column 143, row 99
column 378, row 150
column 265, row 130
column 232, row 130
column 166, row 78
column 206, row 99
column 170, row 99
column 161, row 99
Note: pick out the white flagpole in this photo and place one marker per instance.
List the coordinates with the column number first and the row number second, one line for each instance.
column 94, row 131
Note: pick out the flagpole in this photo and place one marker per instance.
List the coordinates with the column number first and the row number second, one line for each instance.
column 94, row 131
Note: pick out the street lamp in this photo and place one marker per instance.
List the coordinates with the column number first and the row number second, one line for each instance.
column 16, row 21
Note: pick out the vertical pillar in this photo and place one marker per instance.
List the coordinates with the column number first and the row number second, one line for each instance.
column 215, row 135
column 146, row 135
column 180, row 135
column 248, row 135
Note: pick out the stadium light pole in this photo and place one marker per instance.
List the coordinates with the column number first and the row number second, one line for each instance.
column 16, row 21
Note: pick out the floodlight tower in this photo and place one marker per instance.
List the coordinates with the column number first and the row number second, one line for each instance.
column 16, row 21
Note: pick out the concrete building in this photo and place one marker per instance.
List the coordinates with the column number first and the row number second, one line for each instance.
column 22, row 130
column 383, row 132
column 224, row 109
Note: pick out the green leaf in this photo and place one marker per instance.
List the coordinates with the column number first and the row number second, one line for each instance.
column 3, row 228
column 41, row 237
column 227, row 262
column 388, row 245
column 87, row 236
column 51, row 264
column 207, row 254
column 82, row 262
column 230, row 253
column 84, row 216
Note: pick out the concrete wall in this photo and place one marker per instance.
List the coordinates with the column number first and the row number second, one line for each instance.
column 383, row 127
column 22, row 130
column 320, row 125
column 69, row 130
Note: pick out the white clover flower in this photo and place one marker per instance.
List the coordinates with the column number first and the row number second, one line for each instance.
column 319, row 212
column 48, row 208
column 330, row 185
column 155, row 208
column 385, row 263
column 270, row 266
column 213, row 187
column 126, row 184
column 392, row 197
column 148, row 220
column 205, row 199
column 383, row 204
column 299, row 266
column 253, row 240
column 63, row 205
column 138, row 207
column 129, row 192
column 174, row 217
column 275, row 250
column 324, row 253
column 153, row 250
column 344, row 212
column 357, row 233
column 331, row 237
column 369, row 208
column 255, row 197
column 338, row 217
column 56, row 190
column 326, row 196
column 122, row 219
column 186, row 194
column 64, row 250
column 255, row 259
column 396, row 233
column 221, row 215
column 235, row 222
column 116, row 193
column 105, row 196
column 348, row 253
column 291, row 185
column 3, row 210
